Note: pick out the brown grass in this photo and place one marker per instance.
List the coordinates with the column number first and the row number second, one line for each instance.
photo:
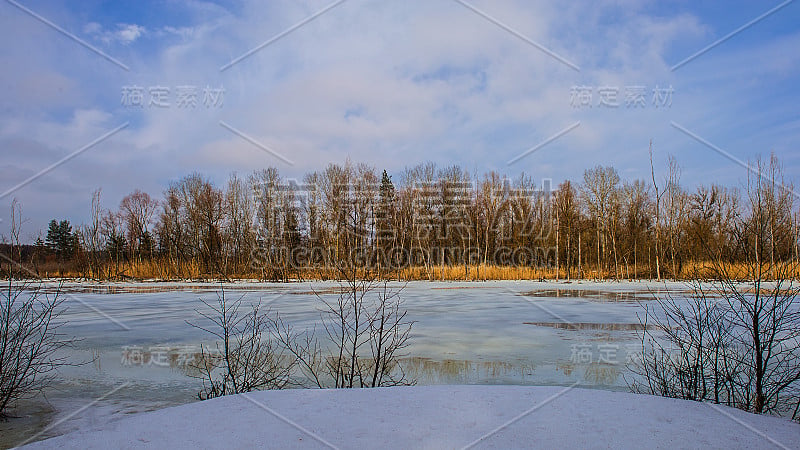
column 157, row 269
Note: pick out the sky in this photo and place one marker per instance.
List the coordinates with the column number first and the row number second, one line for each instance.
column 126, row 95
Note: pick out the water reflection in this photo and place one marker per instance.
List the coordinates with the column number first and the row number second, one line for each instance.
column 594, row 295
column 594, row 373
column 156, row 288
column 591, row 326
column 455, row 371
column 336, row 290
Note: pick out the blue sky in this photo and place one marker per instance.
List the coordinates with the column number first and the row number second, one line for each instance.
column 388, row 83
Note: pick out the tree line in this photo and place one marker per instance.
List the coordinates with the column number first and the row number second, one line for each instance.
column 431, row 222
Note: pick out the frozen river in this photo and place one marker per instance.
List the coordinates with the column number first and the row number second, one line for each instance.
column 529, row 333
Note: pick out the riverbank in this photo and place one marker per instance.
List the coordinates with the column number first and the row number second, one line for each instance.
column 438, row 417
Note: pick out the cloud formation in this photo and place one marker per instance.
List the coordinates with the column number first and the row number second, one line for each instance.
column 123, row 33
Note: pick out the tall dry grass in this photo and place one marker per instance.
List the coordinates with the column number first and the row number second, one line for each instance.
column 163, row 269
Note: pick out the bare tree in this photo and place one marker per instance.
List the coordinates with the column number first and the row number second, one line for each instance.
column 312, row 212
column 272, row 210
column 92, row 238
column 137, row 209
column 569, row 221
column 195, row 210
column 523, row 230
column 364, row 335
column 636, row 206
column 735, row 341
column 685, row 350
column 599, row 192
column 335, row 184
column 168, row 229
column 659, row 194
column 492, row 202
column 243, row 358
column 30, row 341
column 676, row 202
column 239, row 218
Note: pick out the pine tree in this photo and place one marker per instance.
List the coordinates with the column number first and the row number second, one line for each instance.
column 60, row 239
column 52, row 236
column 386, row 205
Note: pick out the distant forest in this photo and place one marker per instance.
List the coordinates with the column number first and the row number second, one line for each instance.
column 431, row 223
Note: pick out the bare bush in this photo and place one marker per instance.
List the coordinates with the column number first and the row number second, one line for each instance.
column 364, row 336
column 730, row 343
column 736, row 341
column 243, row 359
column 365, row 331
column 30, row 341
column 685, row 353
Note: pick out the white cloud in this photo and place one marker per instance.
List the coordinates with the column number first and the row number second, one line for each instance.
column 127, row 33
column 182, row 32
column 123, row 33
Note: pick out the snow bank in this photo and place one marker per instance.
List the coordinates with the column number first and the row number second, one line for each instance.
column 439, row 417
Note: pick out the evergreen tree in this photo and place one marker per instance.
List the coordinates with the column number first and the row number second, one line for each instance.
column 60, row 239
column 116, row 246
column 146, row 244
column 385, row 213
column 52, row 236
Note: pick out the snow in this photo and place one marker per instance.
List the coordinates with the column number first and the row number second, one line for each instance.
column 439, row 417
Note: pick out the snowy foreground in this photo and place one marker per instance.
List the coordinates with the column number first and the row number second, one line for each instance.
column 439, row 417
